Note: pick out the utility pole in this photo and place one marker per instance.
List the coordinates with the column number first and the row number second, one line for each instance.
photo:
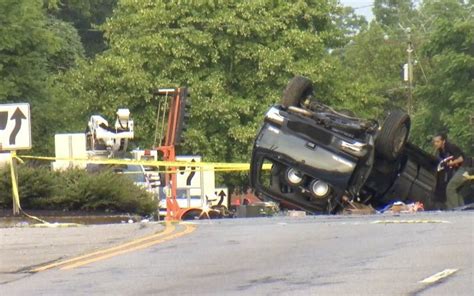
column 410, row 72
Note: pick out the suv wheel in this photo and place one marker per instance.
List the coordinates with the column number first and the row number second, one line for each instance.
column 298, row 89
column 393, row 135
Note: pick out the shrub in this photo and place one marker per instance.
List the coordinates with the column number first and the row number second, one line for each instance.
column 72, row 190
column 5, row 189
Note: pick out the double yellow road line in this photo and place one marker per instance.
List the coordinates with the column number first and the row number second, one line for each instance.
column 169, row 233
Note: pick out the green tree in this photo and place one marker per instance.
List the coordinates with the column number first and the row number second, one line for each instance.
column 68, row 47
column 447, row 99
column 432, row 10
column 236, row 56
column 25, row 45
column 34, row 48
column 85, row 15
column 366, row 77
column 349, row 22
column 393, row 12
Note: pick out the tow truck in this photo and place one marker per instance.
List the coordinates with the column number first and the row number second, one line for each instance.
column 102, row 141
column 178, row 196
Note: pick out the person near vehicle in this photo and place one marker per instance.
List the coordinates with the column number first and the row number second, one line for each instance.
column 454, row 169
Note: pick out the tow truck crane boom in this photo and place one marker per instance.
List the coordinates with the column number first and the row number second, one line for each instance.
column 173, row 107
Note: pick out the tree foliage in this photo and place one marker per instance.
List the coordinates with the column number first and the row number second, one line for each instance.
column 34, row 49
column 85, row 15
column 25, row 45
column 447, row 99
column 367, row 76
column 236, row 56
column 367, row 73
column 391, row 13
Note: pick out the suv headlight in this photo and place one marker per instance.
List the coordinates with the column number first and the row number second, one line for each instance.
column 319, row 188
column 294, row 177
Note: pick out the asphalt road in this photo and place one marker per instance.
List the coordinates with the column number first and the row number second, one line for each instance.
column 283, row 256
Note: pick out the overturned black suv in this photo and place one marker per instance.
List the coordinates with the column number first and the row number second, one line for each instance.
column 309, row 156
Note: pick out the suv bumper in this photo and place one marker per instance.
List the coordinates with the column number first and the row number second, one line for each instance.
column 283, row 149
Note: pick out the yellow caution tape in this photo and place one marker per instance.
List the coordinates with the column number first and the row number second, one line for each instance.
column 216, row 166
column 16, row 196
column 187, row 170
column 173, row 168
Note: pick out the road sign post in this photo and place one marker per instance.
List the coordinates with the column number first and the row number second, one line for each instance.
column 14, row 177
column 15, row 134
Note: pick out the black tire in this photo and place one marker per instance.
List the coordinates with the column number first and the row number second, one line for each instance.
column 296, row 91
column 393, row 136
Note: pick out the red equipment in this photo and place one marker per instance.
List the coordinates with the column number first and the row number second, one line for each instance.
column 173, row 106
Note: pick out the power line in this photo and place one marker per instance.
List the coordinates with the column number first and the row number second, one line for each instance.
column 362, row 7
column 421, row 66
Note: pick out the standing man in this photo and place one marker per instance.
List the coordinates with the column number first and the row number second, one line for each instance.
column 453, row 170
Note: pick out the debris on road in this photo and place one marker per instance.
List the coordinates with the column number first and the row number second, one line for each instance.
column 260, row 209
column 356, row 208
column 296, row 214
column 401, row 207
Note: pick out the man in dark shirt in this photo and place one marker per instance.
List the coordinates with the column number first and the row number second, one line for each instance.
column 453, row 169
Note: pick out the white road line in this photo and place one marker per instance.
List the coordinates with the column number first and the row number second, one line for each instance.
column 408, row 221
column 438, row 276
